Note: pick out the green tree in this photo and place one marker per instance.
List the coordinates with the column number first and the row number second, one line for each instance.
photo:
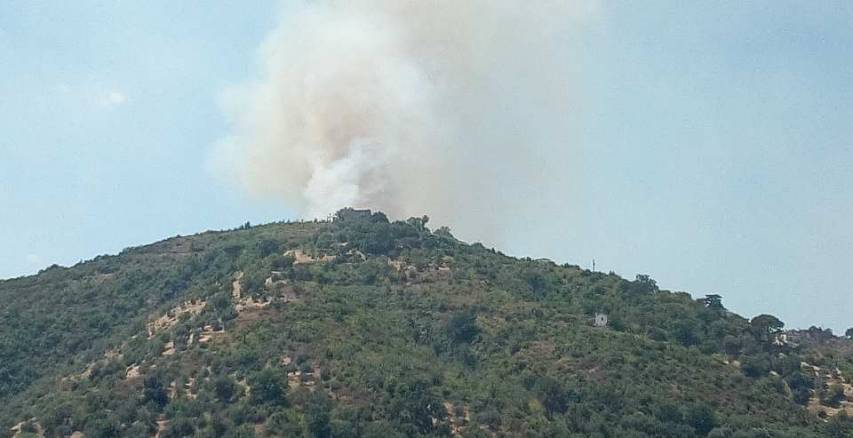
column 801, row 386
column 849, row 333
column 755, row 365
column 269, row 386
column 765, row 325
column 381, row 429
column 104, row 427
column 732, row 345
column 416, row 406
column 317, row 416
column 553, row 396
column 840, row 426
column 686, row 331
column 536, row 281
column 832, row 395
column 179, row 428
column 266, row 247
column 713, row 301
column 225, row 389
column 281, row 262
column 419, row 223
column 444, row 232
column 668, row 412
column 153, row 390
column 701, row 417
column 462, row 327
column 644, row 284
column 285, row 423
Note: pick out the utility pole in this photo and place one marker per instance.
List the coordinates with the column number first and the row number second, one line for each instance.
column 593, row 265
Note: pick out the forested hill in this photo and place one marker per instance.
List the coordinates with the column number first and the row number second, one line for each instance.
column 361, row 327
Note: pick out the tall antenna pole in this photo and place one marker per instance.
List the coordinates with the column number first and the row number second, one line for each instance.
column 593, row 265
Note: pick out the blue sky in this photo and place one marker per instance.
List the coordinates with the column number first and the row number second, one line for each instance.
column 716, row 139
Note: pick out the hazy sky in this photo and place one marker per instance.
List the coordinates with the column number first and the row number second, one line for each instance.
column 716, row 141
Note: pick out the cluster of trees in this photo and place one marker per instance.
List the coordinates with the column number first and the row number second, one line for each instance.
column 379, row 344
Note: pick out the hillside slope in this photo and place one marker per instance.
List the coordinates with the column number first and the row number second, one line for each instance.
column 365, row 327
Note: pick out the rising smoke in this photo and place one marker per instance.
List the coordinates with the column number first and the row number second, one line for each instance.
column 459, row 109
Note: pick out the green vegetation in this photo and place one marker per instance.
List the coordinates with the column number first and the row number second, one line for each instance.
column 362, row 327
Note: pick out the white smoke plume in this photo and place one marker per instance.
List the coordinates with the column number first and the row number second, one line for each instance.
column 459, row 109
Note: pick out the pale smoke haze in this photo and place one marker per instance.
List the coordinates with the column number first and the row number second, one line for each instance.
column 461, row 110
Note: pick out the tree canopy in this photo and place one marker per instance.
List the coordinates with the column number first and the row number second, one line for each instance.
column 361, row 326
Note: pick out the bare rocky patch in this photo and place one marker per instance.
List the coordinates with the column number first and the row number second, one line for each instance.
column 171, row 318
column 301, row 258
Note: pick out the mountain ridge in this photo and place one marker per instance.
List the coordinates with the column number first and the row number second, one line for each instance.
column 361, row 326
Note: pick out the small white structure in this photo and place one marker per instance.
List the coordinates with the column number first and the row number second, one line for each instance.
column 600, row 320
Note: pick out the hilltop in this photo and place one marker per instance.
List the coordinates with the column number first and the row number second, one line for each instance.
column 364, row 327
